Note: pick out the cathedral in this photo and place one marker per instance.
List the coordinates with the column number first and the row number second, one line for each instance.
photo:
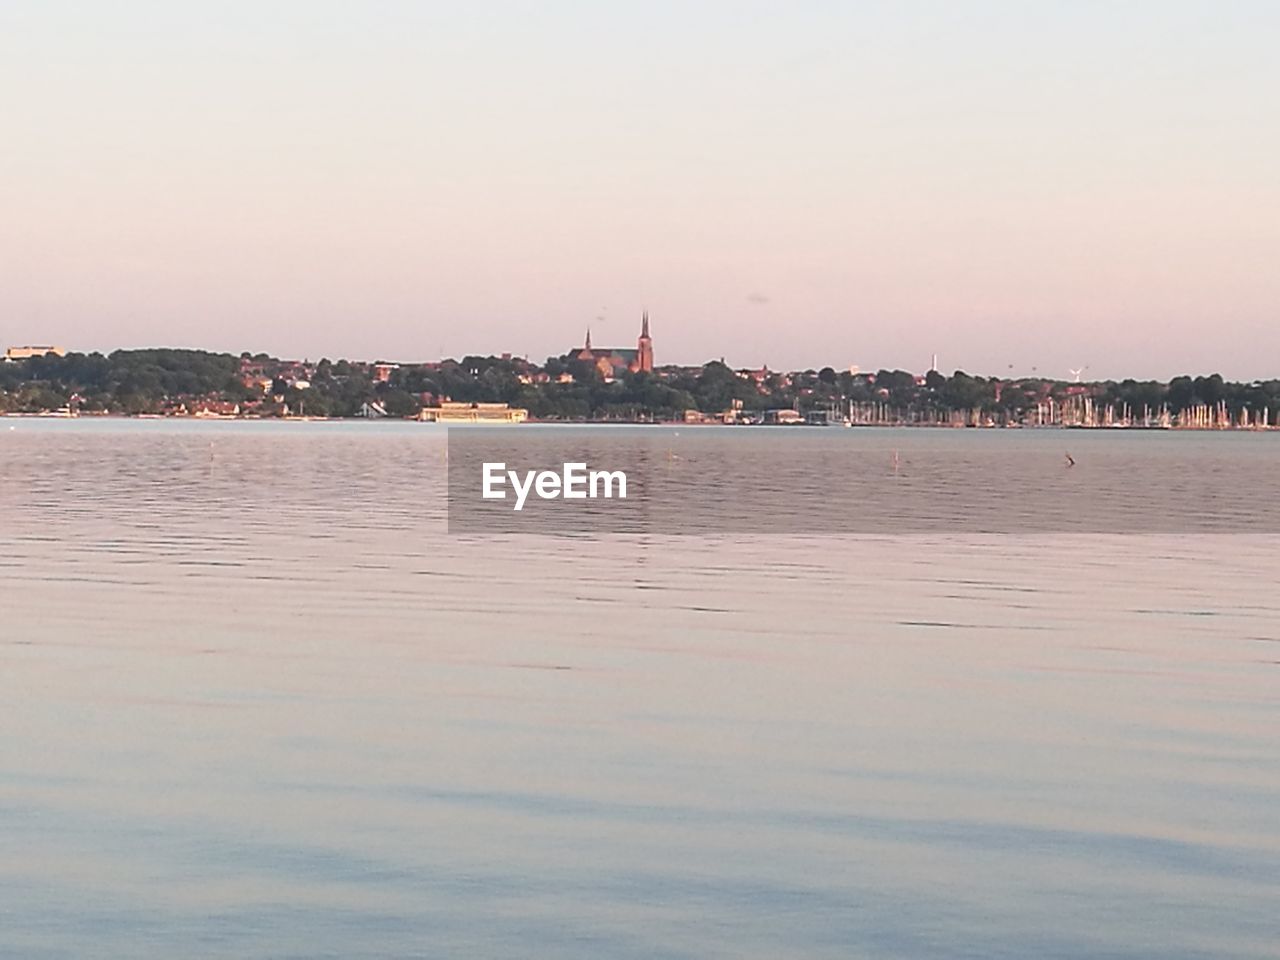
column 611, row 361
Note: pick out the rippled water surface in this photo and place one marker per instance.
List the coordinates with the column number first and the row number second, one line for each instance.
column 256, row 702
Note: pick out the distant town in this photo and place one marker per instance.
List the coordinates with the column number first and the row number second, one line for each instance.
column 590, row 383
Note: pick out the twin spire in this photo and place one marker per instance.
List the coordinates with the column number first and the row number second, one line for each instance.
column 609, row 361
column 644, row 330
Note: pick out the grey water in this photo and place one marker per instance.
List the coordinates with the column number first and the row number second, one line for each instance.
column 256, row 701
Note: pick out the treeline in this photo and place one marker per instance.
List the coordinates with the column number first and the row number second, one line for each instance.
column 127, row 381
column 160, row 381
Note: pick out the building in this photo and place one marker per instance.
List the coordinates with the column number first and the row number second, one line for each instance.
column 644, row 347
column 783, row 415
column 461, row 412
column 26, row 353
column 611, row 361
column 216, row 409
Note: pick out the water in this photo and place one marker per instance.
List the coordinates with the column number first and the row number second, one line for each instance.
column 257, row 703
column 708, row 481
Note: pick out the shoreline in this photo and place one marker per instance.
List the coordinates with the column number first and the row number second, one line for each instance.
column 1114, row 427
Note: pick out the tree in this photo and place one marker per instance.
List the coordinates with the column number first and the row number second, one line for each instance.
column 399, row 403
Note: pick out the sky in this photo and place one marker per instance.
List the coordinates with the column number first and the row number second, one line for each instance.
column 1017, row 187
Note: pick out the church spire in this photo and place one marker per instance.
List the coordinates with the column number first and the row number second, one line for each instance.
column 644, row 347
column 588, row 344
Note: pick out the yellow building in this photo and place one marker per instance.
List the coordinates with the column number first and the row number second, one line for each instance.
column 26, row 353
column 454, row 412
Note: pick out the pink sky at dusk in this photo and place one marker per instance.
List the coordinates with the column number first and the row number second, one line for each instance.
column 1006, row 185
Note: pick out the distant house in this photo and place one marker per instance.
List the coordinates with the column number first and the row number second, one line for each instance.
column 222, row 409
column 26, row 353
column 372, row 411
column 784, row 416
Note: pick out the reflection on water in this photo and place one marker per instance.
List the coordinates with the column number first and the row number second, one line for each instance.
column 256, row 703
